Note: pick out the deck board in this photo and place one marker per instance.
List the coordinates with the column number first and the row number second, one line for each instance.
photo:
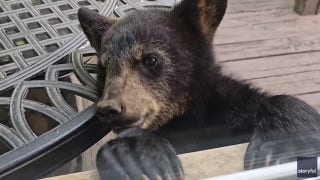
column 267, row 48
column 267, row 44
column 269, row 30
column 239, row 6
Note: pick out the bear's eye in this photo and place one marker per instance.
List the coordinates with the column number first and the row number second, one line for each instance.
column 150, row 61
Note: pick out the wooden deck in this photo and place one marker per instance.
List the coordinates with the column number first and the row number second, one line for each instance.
column 266, row 43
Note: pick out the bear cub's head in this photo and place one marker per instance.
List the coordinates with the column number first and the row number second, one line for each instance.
column 151, row 60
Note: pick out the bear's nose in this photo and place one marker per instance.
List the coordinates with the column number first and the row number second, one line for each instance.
column 109, row 108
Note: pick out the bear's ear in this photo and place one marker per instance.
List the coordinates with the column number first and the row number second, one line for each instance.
column 205, row 15
column 94, row 25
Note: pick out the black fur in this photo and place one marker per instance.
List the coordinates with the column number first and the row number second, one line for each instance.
column 121, row 158
column 220, row 110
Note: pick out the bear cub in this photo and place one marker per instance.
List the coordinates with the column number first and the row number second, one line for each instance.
column 162, row 92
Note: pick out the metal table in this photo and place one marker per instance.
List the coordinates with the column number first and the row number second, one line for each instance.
column 41, row 44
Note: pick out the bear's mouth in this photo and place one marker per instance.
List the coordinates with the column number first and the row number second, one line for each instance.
column 137, row 124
